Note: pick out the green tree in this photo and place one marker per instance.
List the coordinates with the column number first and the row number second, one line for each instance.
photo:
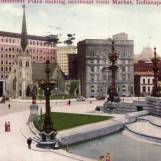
column 74, row 86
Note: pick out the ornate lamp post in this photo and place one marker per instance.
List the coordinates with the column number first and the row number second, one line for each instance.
column 113, row 68
column 47, row 86
column 155, row 60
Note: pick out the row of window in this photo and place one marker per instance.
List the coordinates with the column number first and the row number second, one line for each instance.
column 4, row 76
column 31, row 50
column 5, row 69
column 8, row 56
column 147, row 81
column 123, row 54
column 146, row 89
column 31, row 42
column 6, row 62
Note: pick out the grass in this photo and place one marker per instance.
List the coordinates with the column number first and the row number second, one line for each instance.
column 64, row 121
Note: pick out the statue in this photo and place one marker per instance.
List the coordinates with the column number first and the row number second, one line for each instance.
column 34, row 94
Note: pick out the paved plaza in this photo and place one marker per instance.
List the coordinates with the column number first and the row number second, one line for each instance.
column 149, row 126
column 13, row 144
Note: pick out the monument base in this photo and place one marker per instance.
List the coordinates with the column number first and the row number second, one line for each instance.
column 34, row 113
column 48, row 140
column 117, row 107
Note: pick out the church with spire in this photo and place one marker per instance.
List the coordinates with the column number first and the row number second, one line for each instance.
column 25, row 73
column 21, row 77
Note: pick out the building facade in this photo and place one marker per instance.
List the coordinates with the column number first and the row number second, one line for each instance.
column 143, row 83
column 62, row 57
column 73, row 66
column 93, row 63
column 10, row 48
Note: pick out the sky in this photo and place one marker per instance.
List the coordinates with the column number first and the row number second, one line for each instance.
column 142, row 23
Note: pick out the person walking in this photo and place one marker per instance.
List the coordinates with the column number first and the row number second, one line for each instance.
column 69, row 102
column 9, row 106
column 29, row 142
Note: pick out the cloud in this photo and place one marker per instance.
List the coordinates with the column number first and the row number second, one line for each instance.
column 87, row 21
column 10, row 9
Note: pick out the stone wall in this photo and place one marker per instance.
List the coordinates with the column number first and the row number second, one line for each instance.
column 153, row 105
column 89, row 132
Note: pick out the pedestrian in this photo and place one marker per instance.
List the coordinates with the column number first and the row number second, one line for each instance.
column 9, row 106
column 8, row 126
column 29, row 142
column 5, row 126
column 69, row 102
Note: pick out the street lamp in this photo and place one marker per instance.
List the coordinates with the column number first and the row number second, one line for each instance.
column 155, row 60
column 113, row 96
column 48, row 132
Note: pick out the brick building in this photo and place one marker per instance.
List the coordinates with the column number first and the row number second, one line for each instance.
column 143, row 77
column 10, row 48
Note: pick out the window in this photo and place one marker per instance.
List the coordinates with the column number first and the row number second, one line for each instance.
column 98, row 77
column 123, row 69
column 92, row 61
column 148, row 89
column 27, row 64
column 148, row 81
column 92, row 69
column 20, row 63
column 124, row 77
column 143, row 81
column 30, row 42
column 144, row 89
column 92, row 91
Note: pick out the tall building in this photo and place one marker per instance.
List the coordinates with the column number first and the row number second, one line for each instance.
column 62, row 57
column 93, row 63
column 10, row 48
column 73, row 66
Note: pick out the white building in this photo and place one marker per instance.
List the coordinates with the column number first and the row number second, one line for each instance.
column 93, row 62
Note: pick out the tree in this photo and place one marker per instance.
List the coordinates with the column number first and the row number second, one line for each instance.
column 74, row 86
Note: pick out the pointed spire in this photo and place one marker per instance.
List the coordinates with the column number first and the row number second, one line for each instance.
column 24, row 40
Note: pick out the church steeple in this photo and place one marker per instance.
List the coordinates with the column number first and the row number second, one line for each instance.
column 24, row 40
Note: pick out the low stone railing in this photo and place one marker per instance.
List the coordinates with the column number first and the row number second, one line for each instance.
column 132, row 117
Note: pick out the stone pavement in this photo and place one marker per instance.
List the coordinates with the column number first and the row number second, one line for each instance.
column 13, row 144
column 147, row 128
